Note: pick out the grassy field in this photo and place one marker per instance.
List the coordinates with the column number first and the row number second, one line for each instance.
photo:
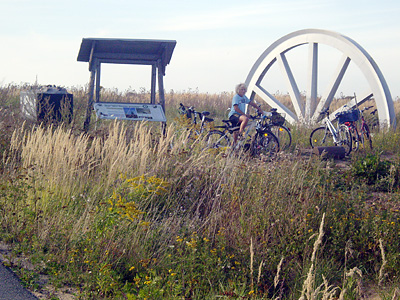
column 121, row 213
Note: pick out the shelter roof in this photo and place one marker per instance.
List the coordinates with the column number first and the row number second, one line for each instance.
column 128, row 51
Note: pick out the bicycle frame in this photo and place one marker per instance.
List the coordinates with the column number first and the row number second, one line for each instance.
column 262, row 143
column 331, row 135
column 360, row 127
column 363, row 130
column 250, row 126
column 254, row 123
column 333, row 130
column 227, row 129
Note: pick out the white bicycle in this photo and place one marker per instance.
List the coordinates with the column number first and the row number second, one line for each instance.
column 329, row 135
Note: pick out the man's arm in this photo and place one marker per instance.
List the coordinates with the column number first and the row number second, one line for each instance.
column 252, row 103
column 236, row 107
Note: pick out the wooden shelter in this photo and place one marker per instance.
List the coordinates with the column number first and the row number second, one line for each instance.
column 95, row 51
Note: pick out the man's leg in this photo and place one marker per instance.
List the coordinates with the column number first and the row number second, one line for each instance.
column 235, row 137
column 243, row 120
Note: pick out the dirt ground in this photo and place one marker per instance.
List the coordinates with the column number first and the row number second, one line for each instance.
column 47, row 291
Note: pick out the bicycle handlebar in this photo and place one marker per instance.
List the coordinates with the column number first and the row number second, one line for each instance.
column 261, row 115
column 325, row 111
column 191, row 110
column 366, row 108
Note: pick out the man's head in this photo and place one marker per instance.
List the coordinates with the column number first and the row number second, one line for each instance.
column 241, row 89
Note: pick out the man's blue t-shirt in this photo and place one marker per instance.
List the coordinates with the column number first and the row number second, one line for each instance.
column 241, row 102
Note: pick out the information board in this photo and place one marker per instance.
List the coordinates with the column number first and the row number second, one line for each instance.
column 27, row 100
column 130, row 111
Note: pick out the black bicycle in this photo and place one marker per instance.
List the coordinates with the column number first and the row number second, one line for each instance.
column 276, row 121
column 195, row 122
column 258, row 139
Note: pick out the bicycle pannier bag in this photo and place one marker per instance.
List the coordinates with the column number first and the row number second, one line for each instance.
column 348, row 116
column 277, row 119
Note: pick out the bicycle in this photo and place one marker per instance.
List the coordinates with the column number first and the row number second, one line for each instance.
column 329, row 135
column 190, row 122
column 262, row 143
column 282, row 132
column 350, row 118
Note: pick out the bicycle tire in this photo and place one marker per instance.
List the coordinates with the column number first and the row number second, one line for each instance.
column 321, row 137
column 264, row 144
column 367, row 135
column 355, row 136
column 217, row 139
column 345, row 138
column 283, row 134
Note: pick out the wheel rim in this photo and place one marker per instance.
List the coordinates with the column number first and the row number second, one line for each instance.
column 217, row 140
column 283, row 136
column 307, row 111
column 321, row 138
column 345, row 136
column 268, row 145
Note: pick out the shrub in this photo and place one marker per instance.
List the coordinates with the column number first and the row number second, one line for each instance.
column 370, row 169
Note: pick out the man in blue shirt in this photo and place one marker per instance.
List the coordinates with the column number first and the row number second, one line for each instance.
column 237, row 114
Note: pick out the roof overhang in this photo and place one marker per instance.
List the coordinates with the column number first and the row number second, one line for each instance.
column 126, row 51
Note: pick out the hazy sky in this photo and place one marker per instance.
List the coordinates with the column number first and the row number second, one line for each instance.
column 217, row 41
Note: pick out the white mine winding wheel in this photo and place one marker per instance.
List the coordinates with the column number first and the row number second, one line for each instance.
column 307, row 110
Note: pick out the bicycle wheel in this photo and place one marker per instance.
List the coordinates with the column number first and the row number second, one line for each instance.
column 192, row 138
column 321, row 137
column 283, row 134
column 265, row 144
column 345, row 138
column 355, row 137
column 217, row 139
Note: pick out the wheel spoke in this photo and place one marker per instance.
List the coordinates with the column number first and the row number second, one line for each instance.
column 273, row 102
column 337, row 77
column 292, row 85
column 311, row 98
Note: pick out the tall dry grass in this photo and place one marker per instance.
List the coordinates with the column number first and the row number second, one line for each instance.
column 223, row 226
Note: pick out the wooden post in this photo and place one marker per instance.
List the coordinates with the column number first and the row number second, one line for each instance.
column 92, row 69
column 90, row 101
column 98, row 70
column 161, row 93
column 161, row 85
column 153, row 84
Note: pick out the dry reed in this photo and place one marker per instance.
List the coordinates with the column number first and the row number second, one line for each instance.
column 384, row 262
column 309, row 290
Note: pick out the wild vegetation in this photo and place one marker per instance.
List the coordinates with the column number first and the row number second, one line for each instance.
column 121, row 212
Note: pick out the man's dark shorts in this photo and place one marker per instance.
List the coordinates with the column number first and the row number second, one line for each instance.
column 234, row 119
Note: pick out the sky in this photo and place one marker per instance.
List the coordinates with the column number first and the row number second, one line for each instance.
column 218, row 41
